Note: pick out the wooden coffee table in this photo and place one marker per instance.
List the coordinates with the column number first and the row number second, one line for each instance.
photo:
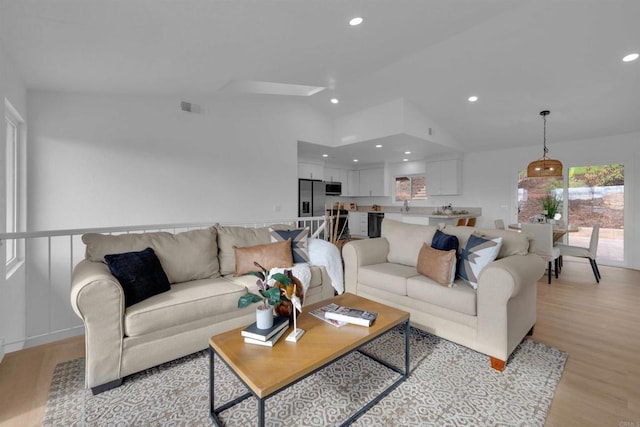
column 265, row 371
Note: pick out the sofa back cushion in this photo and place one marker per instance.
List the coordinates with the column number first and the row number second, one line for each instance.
column 462, row 233
column 513, row 242
column 230, row 236
column 406, row 240
column 186, row 256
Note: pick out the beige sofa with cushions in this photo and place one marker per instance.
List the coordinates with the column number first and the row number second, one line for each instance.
column 492, row 319
column 202, row 300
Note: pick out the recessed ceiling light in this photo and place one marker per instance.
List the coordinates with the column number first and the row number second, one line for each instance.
column 473, row 98
column 354, row 22
column 355, row 160
column 631, row 57
column 325, row 155
column 334, row 100
column 407, row 152
column 379, row 146
column 405, row 160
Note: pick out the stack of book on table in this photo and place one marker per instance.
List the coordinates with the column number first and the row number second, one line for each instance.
column 319, row 313
column 351, row 315
column 266, row 337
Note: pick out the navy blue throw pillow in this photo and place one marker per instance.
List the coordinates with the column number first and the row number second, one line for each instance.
column 444, row 242
column 140, row 274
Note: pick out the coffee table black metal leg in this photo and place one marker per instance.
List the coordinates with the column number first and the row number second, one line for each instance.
column 260, row 412
column 212, row 413
column 407, row 331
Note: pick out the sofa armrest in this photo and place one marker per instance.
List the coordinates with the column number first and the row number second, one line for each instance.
column 507, row 290
column 504, row 278
column 98, row 299
column 358, row 253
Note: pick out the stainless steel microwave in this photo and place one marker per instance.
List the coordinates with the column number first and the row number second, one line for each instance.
column 333, row 188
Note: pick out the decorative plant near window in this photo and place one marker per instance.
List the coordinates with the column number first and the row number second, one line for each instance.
column 551, row 204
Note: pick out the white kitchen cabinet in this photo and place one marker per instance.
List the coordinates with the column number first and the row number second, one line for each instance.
column 408, row 218
column 353, row 184
column 393, row 216
column 443, row 178
column 343, row 177
column 310, row 171
column 371, row 182
column 415, row 219
column 331, row 174
column 358, row 224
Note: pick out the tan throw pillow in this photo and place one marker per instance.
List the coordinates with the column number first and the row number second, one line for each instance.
column 437, row 265
column 270, row 255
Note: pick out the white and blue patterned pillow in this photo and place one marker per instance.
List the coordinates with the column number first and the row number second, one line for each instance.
column 475, row 256
column 299, row 241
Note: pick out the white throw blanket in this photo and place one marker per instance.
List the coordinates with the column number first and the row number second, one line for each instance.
column 327, row 254
column 301, row 271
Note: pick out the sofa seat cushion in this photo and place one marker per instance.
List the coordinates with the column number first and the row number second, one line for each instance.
column 184, row 303
column 249, row 281
column 387, row 276
column 460, row 297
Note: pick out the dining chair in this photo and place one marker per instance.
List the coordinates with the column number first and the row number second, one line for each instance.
column 499, row 224
column 581, row 252
column 542, row 244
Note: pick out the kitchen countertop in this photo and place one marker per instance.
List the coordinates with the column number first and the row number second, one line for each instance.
column 453, row 216
column 422, row 211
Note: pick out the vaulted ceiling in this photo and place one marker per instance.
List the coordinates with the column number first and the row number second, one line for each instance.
column 518, row 57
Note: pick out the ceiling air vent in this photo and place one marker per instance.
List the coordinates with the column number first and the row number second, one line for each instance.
column 189, row 107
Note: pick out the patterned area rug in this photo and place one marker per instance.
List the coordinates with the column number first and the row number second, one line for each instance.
column 449, row 385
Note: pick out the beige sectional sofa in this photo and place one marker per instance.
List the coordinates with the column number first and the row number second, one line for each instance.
column 201, row 302
column 492, row 319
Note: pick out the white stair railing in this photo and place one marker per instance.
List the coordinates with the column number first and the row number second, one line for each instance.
column 47, row 263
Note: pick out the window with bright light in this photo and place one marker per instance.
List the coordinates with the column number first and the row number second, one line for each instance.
column 410, row 187
column 596, row 196
column 14, row 125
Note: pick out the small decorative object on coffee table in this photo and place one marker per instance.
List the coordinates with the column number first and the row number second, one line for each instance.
column 273, row 288
column 351, row 315
column 296, row 334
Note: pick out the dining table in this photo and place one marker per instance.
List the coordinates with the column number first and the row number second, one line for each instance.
column 558, row 230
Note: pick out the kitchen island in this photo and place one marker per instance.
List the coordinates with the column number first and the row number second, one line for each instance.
column 423, row 215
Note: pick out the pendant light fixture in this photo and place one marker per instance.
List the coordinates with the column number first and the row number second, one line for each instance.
column 544, row 167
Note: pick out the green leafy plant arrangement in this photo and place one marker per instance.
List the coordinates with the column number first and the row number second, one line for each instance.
column 551, row 204
column 270, row 294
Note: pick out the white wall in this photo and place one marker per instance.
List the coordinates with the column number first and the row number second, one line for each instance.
column 99, row 160
column 12, row 292
column 125, row 159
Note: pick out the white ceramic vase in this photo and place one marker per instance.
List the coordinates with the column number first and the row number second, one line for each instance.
column 264, row 317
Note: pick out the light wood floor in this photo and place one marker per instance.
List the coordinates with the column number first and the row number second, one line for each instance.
column 597, row 325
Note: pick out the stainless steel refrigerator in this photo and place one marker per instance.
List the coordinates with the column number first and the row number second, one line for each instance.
column 311, row 197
